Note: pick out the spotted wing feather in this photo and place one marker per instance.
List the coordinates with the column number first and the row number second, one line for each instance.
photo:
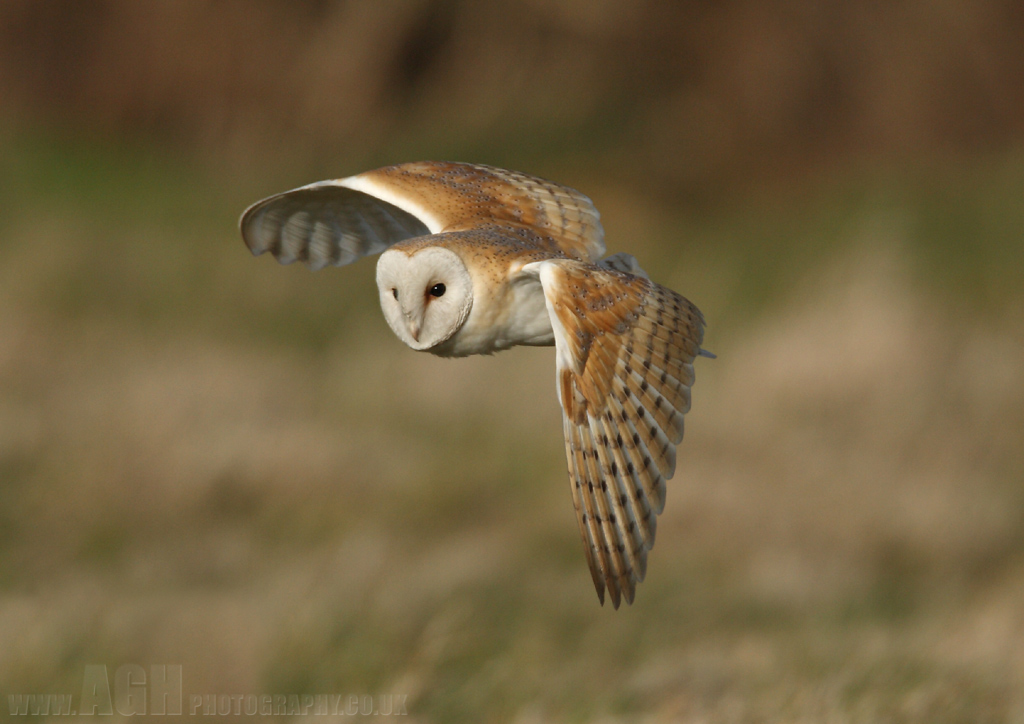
column 625, row 350
column 338, row 221
column 462, row 196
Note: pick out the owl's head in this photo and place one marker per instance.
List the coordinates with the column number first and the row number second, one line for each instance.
column 426, row 295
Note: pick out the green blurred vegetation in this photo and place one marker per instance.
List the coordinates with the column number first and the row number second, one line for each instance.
column 211, row 460
column 434, row 554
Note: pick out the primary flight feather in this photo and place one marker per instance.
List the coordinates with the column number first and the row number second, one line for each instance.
column 476, row 259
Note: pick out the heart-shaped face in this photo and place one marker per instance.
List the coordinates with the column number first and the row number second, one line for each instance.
column 426, row 295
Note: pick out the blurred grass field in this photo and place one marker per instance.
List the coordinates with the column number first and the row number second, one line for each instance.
column 211, row 460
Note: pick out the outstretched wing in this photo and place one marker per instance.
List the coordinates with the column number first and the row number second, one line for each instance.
column 625, row 349
column 338, row 221
column 326, row 223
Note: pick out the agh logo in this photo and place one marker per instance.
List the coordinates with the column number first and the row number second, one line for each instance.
column 158, row 690
column 133, row 693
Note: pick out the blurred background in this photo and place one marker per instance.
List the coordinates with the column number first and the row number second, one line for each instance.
column 210, row 460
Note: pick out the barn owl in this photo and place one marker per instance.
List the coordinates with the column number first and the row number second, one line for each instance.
column 476, row 259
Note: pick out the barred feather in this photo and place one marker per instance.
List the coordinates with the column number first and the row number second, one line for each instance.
column 341, row 220
column 325, row 223
column 625, row 346
column 625, row 358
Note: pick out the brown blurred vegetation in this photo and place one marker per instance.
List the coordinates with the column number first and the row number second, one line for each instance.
column 210, row 460
column 675, row 95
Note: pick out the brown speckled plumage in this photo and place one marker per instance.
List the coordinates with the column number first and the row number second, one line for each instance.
column 336, row 222
column 625, row 345
column 632, row 344
column 540, row 213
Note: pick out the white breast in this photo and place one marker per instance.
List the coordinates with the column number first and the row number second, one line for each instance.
column 514, row 314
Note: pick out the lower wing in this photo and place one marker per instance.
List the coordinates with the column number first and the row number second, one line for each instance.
column 625, row 348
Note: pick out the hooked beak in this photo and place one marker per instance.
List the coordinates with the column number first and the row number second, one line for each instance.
column 413, row 324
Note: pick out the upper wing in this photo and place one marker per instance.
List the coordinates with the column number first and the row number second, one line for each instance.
column 326, row 223
column 625, row 349
column 339, row 221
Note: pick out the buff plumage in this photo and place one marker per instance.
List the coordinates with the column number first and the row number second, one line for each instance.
column 522, row 258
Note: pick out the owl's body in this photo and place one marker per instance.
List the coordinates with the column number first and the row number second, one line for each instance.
column 477, row 260
column 508, row 306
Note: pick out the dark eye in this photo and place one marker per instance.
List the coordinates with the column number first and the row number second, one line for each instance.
column 394, row 293
column 437, row 290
